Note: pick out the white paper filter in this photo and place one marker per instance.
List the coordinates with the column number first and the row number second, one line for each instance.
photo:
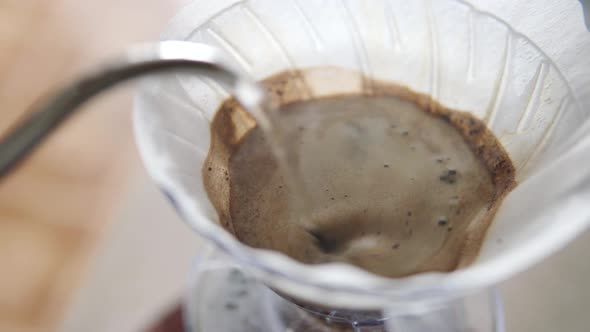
column 464, row 58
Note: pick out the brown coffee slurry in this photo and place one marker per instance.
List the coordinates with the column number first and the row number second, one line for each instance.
column 397, row 184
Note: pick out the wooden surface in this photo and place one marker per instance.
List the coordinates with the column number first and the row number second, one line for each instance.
column 53, row 208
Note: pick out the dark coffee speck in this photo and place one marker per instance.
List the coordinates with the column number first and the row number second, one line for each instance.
column 449, row 176
column 474, row 132
column 325, row 243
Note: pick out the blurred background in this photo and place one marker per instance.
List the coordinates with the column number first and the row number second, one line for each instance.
column 87, row 243
column 67, row 207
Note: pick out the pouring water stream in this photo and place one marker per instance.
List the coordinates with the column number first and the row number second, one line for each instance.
column 140, row 61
